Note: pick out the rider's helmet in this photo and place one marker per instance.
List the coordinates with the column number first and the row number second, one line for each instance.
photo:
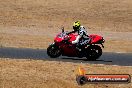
column 76, row 25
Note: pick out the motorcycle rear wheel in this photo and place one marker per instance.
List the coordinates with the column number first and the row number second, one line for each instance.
column 93, row 52
column 53, row 51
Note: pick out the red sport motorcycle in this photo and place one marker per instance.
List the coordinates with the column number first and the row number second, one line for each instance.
column 62, row 46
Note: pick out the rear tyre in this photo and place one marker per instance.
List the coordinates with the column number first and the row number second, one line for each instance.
column 93, row 52
column 53, row 51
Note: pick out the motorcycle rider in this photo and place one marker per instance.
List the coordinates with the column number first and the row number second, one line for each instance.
column 82, row 37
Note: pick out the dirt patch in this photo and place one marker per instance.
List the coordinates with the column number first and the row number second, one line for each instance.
column 40, row 73
column 118, row 46
column 99, row 15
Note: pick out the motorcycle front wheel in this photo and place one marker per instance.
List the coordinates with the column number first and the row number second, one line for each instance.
column 53, row 51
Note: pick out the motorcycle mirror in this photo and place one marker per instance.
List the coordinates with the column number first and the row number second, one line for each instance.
column 62, row 29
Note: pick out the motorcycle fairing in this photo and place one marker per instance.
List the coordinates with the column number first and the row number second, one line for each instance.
column 95, row 38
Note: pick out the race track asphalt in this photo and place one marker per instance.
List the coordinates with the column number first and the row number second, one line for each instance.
column 110, row 58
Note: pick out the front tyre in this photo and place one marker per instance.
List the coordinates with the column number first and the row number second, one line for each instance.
column 93, row 52
column 53, row 51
